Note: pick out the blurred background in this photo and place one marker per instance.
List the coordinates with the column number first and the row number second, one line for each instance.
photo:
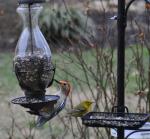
column 83, row 40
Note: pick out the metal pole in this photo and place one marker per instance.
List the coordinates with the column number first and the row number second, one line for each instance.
column 121, row 24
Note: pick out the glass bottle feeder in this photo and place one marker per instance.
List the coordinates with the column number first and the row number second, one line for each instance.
column 32, row 61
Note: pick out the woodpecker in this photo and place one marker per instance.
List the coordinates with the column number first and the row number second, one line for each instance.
column 47, row 113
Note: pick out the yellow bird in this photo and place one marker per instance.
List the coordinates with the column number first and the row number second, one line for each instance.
column 81, row 109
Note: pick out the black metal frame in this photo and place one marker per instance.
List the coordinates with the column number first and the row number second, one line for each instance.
column 121, row 24
column 130, row 121
column 120, row 119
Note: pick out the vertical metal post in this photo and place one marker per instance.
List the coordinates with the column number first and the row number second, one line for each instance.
column 121, row 25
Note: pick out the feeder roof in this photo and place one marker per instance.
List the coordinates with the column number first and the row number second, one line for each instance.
column 30, row 1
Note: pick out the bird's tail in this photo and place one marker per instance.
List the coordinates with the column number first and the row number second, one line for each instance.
column 41, row 121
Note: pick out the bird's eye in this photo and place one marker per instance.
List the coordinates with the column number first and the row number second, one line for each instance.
column 65, row 84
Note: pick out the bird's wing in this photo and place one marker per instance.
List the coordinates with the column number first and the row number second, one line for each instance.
column 61, row 106
column 77, row 111
column 43, row 119
column 46, row 110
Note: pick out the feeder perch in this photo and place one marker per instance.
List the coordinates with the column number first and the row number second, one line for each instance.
column 32, row 62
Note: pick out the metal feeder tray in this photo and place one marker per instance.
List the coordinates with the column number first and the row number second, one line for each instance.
column 115, row 120
column 36, row 104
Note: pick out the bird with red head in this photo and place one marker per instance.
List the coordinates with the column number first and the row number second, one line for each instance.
column 47, row 113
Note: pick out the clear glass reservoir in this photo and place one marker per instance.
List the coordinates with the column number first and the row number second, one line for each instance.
column 32, row 61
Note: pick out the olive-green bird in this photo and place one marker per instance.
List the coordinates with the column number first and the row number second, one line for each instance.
column 81, row 109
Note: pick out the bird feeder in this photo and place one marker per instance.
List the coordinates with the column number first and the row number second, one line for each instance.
column 120, row 119
column 32, row 62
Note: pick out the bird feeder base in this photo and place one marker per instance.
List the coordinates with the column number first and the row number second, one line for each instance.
column 115, row 120
column 36, row 104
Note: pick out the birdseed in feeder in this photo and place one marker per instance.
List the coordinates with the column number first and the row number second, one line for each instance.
column 33, row 72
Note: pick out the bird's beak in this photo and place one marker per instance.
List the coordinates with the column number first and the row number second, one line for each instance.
column 56, row 81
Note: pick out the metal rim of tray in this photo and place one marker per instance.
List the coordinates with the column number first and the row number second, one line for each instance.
column 115, row 120
column 35, row 103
